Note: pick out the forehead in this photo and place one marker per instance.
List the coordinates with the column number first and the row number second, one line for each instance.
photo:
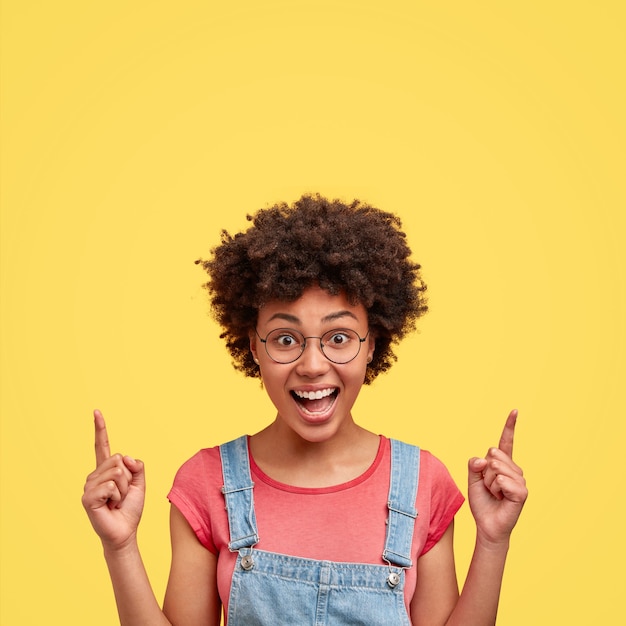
column 314, row 306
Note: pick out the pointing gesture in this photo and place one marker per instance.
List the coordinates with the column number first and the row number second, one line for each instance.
column 103, row 450
column 497, row 489
column 506, row 439
column 114, row 492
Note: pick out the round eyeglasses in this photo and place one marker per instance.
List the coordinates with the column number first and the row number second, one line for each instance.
column 286, row 345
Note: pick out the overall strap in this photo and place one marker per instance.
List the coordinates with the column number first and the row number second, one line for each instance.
column 403, row 484
column 237, row 492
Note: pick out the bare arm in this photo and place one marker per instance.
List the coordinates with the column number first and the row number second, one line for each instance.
column 191, row 598
column 113, row 498
column 436, row 592
column 436, row 601
column 497, row 492
column 136, row 602
column 478, row 603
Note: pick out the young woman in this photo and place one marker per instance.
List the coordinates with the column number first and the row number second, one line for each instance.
column 313, row 520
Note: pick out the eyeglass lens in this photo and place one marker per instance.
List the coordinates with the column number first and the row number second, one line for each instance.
column 285, row 345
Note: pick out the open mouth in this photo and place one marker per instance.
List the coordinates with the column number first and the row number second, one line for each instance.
column 316, row 402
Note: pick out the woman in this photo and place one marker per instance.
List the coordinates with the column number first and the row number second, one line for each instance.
column 312, row 520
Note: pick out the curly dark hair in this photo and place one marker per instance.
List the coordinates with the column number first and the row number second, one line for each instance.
column 351, row 248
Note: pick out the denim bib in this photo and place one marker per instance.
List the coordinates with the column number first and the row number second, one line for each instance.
column 269, row 589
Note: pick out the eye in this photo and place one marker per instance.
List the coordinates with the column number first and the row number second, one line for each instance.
column 282, row 339
column 286, row 341
column 337, row 339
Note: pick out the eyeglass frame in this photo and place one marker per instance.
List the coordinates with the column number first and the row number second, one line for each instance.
column 303, row 345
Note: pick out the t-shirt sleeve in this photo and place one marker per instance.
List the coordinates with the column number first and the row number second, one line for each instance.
column 190, row 495
column 445, row 499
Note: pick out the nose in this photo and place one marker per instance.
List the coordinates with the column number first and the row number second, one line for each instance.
column 312, row 362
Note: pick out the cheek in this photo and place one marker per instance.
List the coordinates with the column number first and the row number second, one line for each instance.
column 354, row 379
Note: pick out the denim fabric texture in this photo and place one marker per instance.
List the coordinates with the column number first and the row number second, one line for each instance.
column 269, row 589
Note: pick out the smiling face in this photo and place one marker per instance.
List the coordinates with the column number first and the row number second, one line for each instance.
column 313, row 396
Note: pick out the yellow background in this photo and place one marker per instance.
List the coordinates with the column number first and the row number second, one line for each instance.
column 132, row 132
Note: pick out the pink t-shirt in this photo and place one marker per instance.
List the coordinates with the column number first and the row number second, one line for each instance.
column 340, row 523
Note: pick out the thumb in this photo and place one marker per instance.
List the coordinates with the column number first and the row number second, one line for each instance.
column 136, row 468
column 475, row 467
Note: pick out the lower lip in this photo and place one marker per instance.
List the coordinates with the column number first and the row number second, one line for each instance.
column 316, row 418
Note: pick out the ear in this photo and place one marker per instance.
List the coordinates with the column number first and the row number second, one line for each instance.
column 254, row 346
column 371, row 345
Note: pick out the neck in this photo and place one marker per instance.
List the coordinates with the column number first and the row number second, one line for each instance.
column 287, row 457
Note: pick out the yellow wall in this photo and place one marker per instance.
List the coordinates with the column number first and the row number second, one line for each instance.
column 132, row 132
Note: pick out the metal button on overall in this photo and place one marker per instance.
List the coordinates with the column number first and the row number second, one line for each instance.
column 247, row 562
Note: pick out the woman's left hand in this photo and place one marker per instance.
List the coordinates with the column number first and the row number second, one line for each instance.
column 497, row 489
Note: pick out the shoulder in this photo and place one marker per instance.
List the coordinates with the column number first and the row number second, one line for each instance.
column 196, row 493
column 438, row 494
column 202, row 466
column 439, row 497
column 198, row 482
column 437, row 482
column 431, row 468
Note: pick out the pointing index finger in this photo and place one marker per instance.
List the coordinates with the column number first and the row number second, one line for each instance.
column 103, row 451
column 506, row 439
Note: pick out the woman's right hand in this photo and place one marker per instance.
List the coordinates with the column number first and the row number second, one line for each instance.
column 114, row 492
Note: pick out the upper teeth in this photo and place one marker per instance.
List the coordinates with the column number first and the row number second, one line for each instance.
column 314, row 395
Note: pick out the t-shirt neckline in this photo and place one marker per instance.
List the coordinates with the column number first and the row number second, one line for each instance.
column 258, row 473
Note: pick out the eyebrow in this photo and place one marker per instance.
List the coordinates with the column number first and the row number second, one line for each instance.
column 331, row 317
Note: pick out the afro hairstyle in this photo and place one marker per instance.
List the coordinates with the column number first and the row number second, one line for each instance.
column 354, row 249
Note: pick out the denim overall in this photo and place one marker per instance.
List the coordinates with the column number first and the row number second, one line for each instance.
column 268, row 589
